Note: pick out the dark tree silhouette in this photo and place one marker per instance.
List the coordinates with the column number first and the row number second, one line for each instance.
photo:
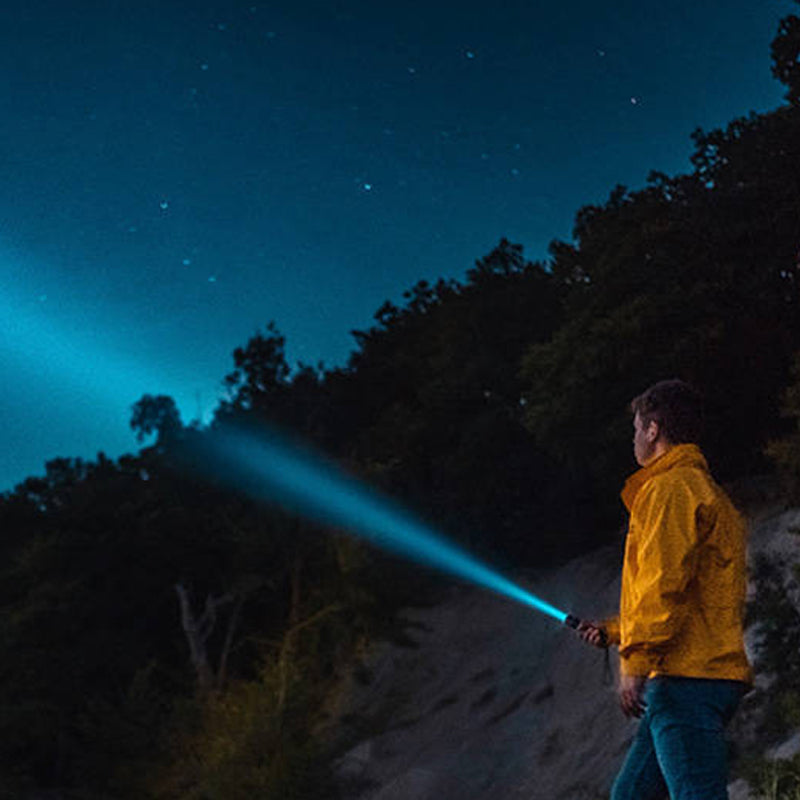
column 786, row 57
column 155, row 415
column 261, row 372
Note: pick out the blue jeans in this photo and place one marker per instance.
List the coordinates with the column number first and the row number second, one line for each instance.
column 679, row 751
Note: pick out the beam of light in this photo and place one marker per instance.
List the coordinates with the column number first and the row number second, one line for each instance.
column 92, row 361
column 267, row 467
column 73, row 371
column 84, row 372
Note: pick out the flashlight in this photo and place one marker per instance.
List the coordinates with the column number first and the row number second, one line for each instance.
column 571, row 621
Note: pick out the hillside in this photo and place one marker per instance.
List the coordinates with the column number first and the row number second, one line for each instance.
column 494, row 701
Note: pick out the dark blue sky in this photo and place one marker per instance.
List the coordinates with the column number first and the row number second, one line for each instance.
column 177, row 174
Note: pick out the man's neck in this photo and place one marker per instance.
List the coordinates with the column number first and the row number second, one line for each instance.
column 660, row 448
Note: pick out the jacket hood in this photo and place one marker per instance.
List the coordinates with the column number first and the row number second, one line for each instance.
column 680, row 455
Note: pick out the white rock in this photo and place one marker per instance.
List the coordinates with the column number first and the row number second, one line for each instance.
column 739, row 790
column 354, row 762
column 787, row 749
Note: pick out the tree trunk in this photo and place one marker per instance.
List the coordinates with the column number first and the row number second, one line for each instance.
column 197, row 630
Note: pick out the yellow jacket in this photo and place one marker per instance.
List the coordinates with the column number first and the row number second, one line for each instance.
column 683, row 578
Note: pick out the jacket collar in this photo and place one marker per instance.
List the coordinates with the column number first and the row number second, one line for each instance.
column 680, row 455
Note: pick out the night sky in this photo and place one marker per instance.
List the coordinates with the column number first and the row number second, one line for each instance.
column 177, row 174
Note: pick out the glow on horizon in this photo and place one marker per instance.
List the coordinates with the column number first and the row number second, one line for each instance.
column 267, row 467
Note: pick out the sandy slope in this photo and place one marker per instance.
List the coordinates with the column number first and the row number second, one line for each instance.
column 499, row 702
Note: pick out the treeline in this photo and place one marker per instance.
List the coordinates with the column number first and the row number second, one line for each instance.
column 163, row 636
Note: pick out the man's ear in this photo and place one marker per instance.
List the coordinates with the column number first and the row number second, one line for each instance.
column 653, row 431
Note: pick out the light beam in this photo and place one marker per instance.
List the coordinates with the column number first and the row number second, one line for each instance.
column 267, row 467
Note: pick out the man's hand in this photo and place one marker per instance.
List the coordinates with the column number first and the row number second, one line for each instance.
column 631, row 693
column 593, row 634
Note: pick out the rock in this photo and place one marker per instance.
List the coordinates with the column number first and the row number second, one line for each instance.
column 739, row 790
column 353, row 763
column 787, row 749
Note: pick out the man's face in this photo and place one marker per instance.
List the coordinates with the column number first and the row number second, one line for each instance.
column 644, row 440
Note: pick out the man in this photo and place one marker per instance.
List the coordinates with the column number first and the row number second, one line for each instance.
column 683, row 667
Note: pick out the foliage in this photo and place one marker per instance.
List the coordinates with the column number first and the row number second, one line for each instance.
column 252, row 740
column 773, row 779
column 94, row 660
column 432, row 401
column 786, row 56
column 785, row 451
column 261, row 374
column 694, row 277
column 157, row 415
column 78, row 594
column 777, row 646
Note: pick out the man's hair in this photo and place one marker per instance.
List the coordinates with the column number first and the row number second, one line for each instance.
column 676, row 406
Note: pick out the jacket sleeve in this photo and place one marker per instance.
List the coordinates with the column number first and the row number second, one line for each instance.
column 666, row 541
column 611, row 626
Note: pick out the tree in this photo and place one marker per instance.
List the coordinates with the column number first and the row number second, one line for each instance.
column 155, row 414
column 260, row 376
column 786, row 56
